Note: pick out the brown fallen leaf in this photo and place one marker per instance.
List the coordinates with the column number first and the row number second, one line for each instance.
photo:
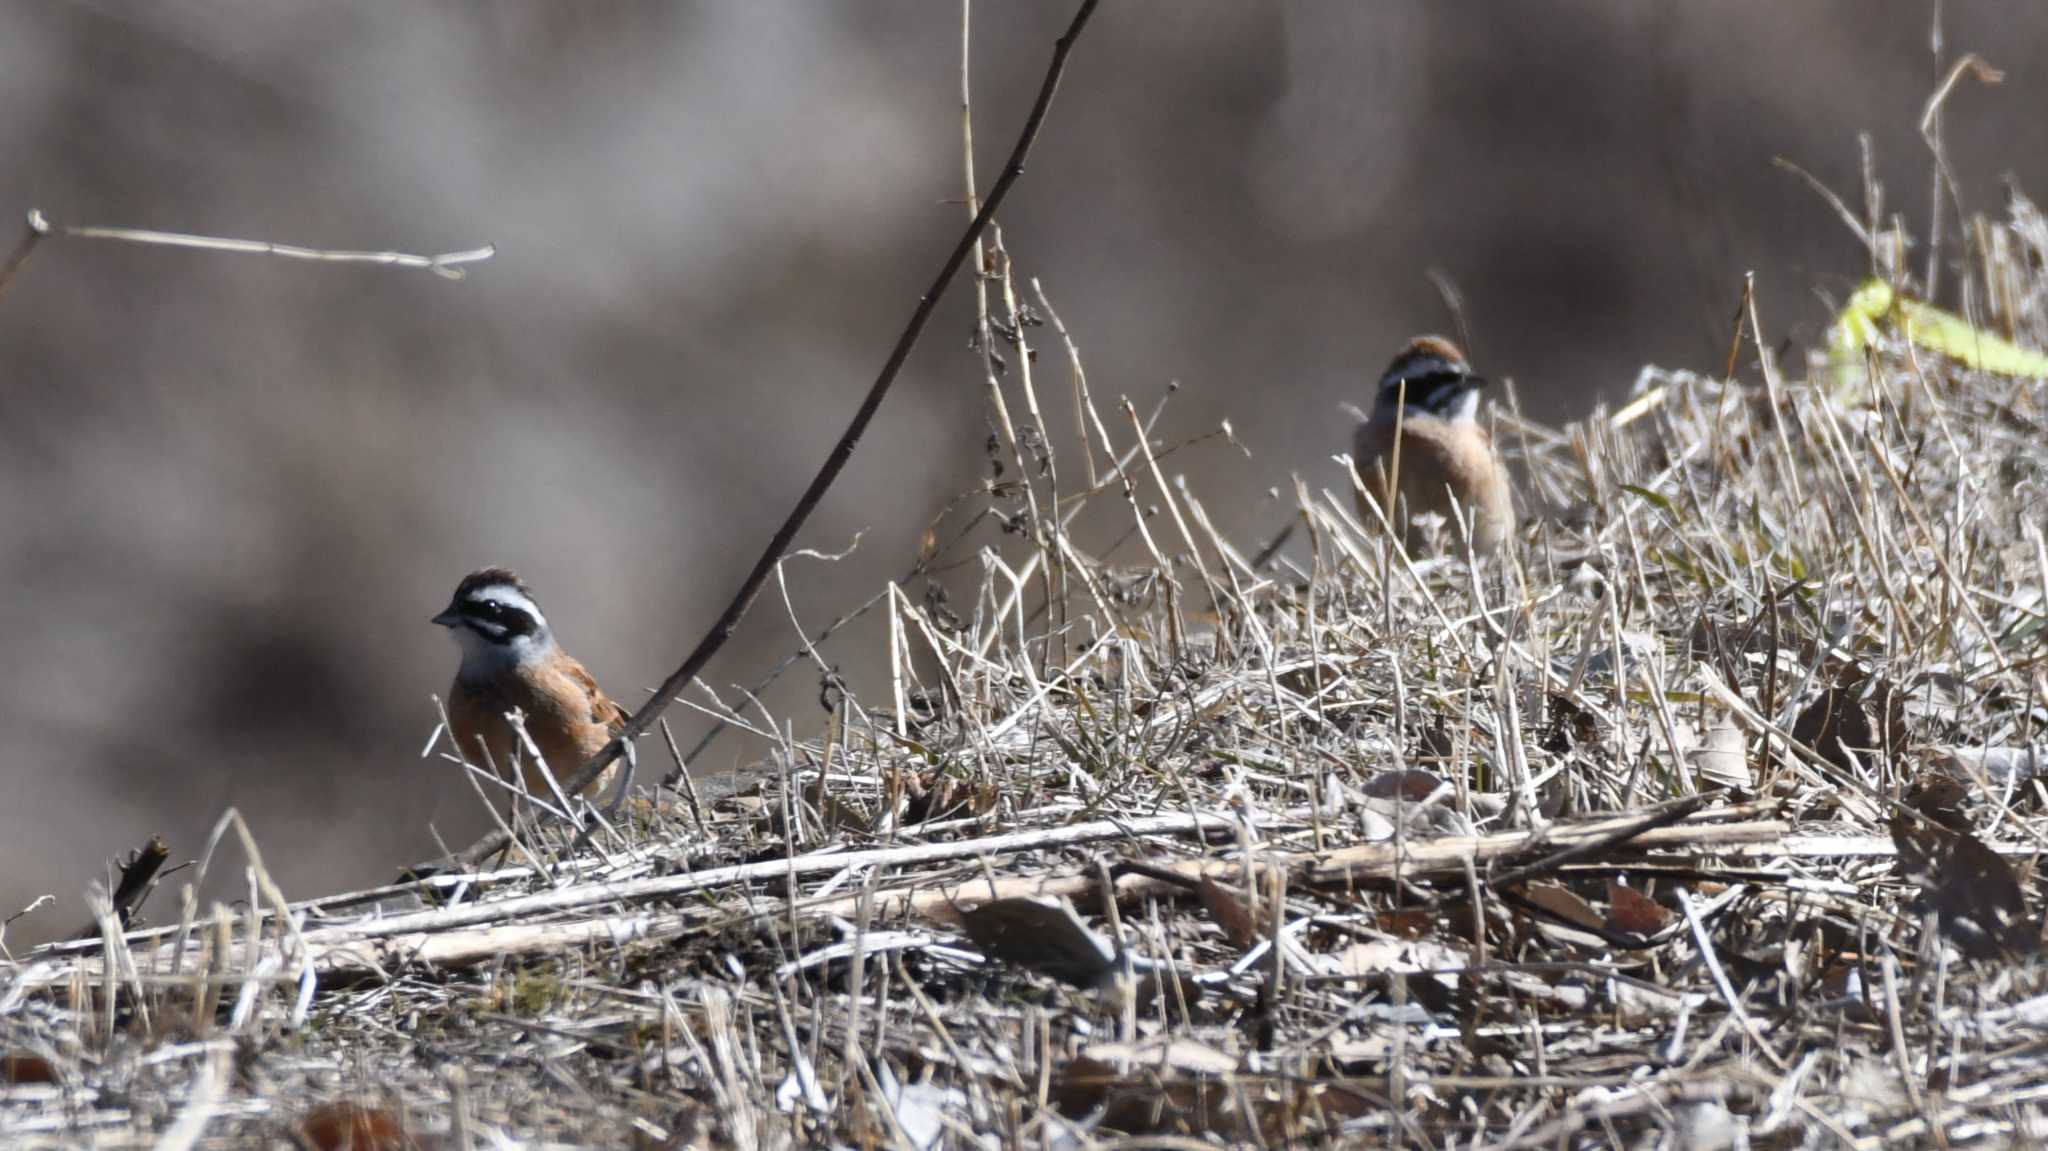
column 1238, row 1109
column 1722, row 756
column 1631, row 910
column 344, row 1126
column 1043, row 935
column 1407, row 922
column 1940, row 798
column 1971, row 888
column 21, row 1066
column 1411, row 785
column 935, row 795
column 1563, row 903
column 1434, row 744
column 1310, row 678
column 1571, row 726
column 1854, row 720
column 1240, row 925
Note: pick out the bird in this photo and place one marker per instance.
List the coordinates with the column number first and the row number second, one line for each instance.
column 1429, row 399
column 510, row 659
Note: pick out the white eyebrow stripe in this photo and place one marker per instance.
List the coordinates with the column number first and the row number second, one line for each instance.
column 510, row 596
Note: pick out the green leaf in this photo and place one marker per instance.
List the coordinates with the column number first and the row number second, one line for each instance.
column 1664, row 505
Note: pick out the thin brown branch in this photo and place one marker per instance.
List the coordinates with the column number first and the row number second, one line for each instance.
column 138, row 875
column 31, row 235
column 729, row 620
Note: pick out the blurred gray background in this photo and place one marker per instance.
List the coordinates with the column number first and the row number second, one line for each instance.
column 235, row 487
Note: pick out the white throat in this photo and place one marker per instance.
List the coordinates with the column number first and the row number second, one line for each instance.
column 1463, row 410
column 483, row 659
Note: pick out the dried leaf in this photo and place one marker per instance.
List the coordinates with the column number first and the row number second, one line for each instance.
column 1413, row 786
column 1142, row 1102
column 1563, row 903
column 1570, row 727
column 2000, row 765
column 1379, row 956
column 1166, row 985
column 1043, row 935
column 921, row 1110
column 1309, row 678
column 1240, row 925
column 21, row 1066
column 691, row 1127
column 1164, row 1055
column 936, row 795
column 1631, row 910
column 1407, row 922
column 1435, row 744
column 1973, row 890
column 343, row 1126
column 1940, row 798
column 1833, row 719
column 1839, row 723
column 1380, row 817
column 836, row 814
column 1129, row 1102
column 1722, row 756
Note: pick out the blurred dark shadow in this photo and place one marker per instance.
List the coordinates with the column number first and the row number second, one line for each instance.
column 236, row 487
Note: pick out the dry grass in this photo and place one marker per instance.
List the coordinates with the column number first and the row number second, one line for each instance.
column 1601, row 844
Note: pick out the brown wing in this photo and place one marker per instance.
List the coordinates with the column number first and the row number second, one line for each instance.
column 603, row 711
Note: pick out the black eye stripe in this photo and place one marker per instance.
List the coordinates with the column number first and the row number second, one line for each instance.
column 501, row 617
column 1427, row 381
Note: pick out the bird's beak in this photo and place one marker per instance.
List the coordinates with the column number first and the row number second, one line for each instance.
column 1477, row 381
column 448, row 618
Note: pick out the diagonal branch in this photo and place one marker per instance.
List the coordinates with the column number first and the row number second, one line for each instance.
column 835, row 461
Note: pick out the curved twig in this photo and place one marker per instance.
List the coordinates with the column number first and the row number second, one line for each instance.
column 729, row 620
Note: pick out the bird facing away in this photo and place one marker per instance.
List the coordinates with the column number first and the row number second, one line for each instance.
column 1431, row 395
column 510, row 660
